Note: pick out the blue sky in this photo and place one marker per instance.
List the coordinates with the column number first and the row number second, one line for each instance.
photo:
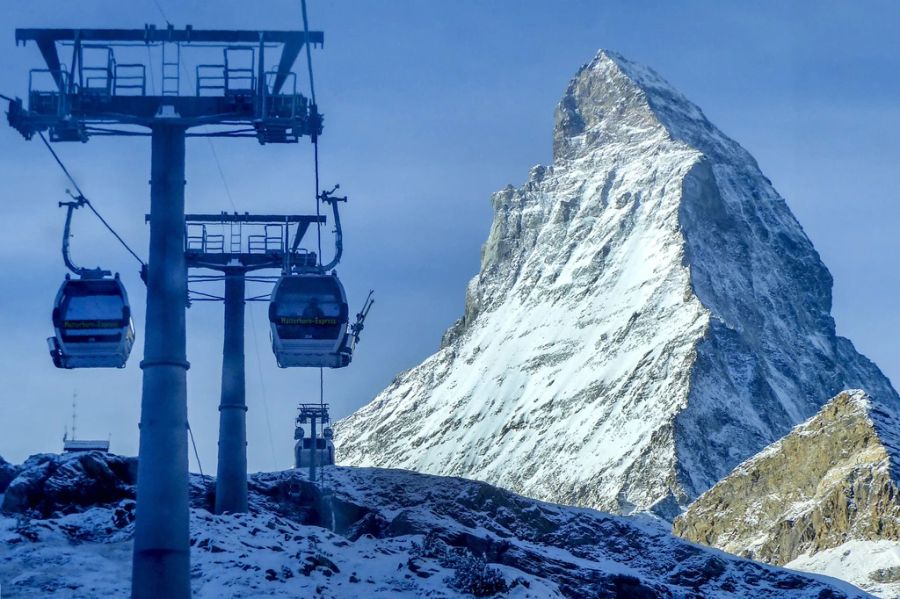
column 430, row 107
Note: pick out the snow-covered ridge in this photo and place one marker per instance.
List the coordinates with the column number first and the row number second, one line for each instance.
column 396, row 534
column 647, row 315
column 882, row 417
column 683, row 119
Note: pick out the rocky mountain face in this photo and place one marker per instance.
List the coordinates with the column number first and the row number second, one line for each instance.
column 648, row 314
column 48, row 483
column 375, row 533
column 7, row 473
column 831, row 484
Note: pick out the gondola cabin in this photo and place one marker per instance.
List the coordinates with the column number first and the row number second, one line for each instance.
column 320, row 448
column 92, row 324
column 309, row 318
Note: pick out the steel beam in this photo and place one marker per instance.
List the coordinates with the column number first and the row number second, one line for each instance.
column 288, row 56
column 51, row 57
column 151, row 33
column 161, row 564
column 231, row 476
column 246, row 217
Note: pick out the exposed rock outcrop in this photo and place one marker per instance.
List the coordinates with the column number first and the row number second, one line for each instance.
column 58, row 484
column 647, row 315
column 833, row 480
column 7, row 473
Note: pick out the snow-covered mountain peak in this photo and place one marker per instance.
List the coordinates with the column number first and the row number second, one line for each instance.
column 602, row 104
column 648, row 314
column 614, row 99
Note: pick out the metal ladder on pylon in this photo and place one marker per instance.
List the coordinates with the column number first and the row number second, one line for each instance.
column 236, row 237
column 171, row 69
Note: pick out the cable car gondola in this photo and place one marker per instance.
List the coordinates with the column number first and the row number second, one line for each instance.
column 91, row 315
column 309, row 318
column 305, row 447
column 92, row 324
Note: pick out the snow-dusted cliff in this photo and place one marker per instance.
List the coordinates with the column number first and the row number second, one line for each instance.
column 648, row 314
column 824, row 498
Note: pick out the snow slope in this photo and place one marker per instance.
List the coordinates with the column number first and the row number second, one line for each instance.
column 648, row 314
column 871, row 565
column 397, row 534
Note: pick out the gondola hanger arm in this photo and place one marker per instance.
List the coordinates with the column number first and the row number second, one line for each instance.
column 85, row 202
column 328, row 197
column 85, row 273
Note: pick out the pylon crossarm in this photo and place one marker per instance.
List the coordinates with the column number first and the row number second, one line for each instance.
column 240, row 94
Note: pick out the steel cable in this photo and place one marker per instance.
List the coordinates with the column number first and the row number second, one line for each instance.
column 87, row 201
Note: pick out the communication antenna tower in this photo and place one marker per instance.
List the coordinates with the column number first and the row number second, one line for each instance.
column 74, row 412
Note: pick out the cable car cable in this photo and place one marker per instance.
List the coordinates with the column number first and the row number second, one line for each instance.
column 215, row 155
column 315, row 129
column 196, row 453
column 312, row 87
column 262, row 387
column 318, row 203
column 87, row 202
column 318, row 198
column 162, row 12
column 322, row 407
column 113, row 231
column 60, row 163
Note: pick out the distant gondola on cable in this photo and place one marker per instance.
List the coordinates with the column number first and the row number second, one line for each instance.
column 91, row 315
column 307, row 449
column 308, row 311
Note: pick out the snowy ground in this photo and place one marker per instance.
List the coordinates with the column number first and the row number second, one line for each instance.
column 870, row 565
column 399, row 534
column 239, row 556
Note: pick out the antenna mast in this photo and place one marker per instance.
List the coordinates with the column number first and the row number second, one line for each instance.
column 74, row 408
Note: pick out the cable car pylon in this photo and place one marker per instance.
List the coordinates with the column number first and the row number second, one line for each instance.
column 244, row 244
column 79, row 101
